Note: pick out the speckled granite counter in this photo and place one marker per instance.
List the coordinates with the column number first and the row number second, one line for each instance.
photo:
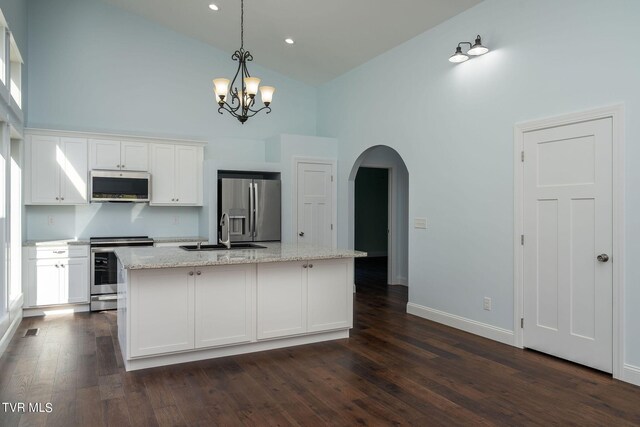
column 61, row 242
column 149, row 257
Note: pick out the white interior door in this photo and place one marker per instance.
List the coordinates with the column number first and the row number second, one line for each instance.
column 315, row 203
column 567, row 224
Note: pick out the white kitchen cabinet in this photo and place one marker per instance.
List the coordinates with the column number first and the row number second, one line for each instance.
column 281, row 299
column 162, row 311
column 57, row 276
column 57, row 170
column 107, row 154
column 225, row 305
column 176, row 174
column 306, row 296
column 329, row 295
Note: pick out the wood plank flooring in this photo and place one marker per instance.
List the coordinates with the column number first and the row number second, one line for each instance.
column 396, row 369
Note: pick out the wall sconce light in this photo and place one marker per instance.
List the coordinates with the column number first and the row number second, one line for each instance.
column 475, row 49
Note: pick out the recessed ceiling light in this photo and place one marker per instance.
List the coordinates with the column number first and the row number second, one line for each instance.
column 213, row 6
column 289, row 41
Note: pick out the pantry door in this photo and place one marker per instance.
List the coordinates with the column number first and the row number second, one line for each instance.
column 568, row 228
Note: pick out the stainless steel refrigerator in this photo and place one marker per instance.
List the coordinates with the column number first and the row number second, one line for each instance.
column 253, row 206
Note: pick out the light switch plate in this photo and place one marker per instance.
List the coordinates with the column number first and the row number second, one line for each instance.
column 420, row 223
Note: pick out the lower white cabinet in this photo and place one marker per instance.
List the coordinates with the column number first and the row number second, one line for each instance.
column 305, row 296
column 170, row 310
column 225, row 303
column 53, row 277
column 282, row 298
column 162, row 311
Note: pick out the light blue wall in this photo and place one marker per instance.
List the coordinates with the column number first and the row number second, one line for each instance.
column 453, row 126
column 97, row 68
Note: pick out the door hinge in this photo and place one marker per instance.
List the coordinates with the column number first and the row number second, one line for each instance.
column 522, row 156
column 522, row 322
column 522, row 239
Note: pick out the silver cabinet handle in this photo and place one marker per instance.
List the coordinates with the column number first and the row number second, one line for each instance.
column 61, row 198
column 310, row 265
column 57, row 198
column 62, row 265
column 57, row 266
column 177, row 200
column 173, row 200
column 198, row 273
column 301, row 234
column 122, row 166
column 304, row 266
column 603, row 257
column 191, row 273
column 118, row 166
column 59, row 252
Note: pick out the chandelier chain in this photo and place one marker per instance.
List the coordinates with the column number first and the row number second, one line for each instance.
column 241, row 24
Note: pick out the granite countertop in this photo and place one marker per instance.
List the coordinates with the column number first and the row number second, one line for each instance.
column 60, row 242
column 138, row 258
column 63, row 242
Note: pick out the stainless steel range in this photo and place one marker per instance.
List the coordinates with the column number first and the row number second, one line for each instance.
column 104, row 269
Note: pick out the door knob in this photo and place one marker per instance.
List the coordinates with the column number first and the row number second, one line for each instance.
column 301, row 234
column 191, row 273
column 198, row 272
column 603, row 257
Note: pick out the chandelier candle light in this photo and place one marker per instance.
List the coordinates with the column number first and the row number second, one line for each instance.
column 242, row 97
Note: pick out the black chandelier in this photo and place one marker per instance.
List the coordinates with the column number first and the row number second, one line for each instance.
column 242, row 99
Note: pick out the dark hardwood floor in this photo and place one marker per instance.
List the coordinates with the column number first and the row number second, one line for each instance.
column 395, row 369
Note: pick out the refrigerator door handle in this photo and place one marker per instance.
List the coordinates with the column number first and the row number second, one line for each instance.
column 255, row 207
column 251, row 209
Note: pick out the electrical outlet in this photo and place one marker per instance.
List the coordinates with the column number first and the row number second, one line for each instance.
column 50, row 220
column 487, row 303
column 176, row 220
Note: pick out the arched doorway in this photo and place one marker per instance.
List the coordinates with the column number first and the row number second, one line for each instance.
column 365, row 211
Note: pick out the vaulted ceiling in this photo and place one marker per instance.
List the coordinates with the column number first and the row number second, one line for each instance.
column 331, row 36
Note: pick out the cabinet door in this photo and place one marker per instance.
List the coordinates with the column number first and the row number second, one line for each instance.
column 188, row 178
column 46, row 158
column 281, row 299
column 75, row 280
column 74, row 171
column 162, row 174
column 44, row 282
column 225, row 301
column 329, row 294
column 104, row 154
column 162, row 311
column 134, row 156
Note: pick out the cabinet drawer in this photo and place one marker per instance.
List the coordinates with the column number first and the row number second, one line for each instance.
column 72, row 251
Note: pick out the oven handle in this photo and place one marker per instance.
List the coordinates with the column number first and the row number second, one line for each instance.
column 101, row 250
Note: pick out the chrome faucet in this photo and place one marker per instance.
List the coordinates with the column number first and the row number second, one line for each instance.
column 224, row 218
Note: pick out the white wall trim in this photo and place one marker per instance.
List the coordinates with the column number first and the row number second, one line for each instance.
column 472, row 326
column 631, row 374
column 100, row 135
column 55, row 309
column 334, row 190
column 6, row 339
column 401, row 280
column 616, row 113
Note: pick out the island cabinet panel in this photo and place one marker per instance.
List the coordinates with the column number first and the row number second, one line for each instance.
column 225, row 305
column 282, row 299
column 162, row 311
column 329, row 295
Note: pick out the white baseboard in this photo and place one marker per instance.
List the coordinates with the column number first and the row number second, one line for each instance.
column 485, row 330
column 55, row 309
column 400, row 281
column 6, row 339
column 631, row 374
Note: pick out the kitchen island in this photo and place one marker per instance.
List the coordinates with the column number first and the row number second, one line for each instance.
column 177, row 306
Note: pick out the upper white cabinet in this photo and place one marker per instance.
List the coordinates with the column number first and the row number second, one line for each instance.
column 109, row 154
column 56, row 170
column 176, row 174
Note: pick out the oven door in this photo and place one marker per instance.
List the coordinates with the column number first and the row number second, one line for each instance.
column 104, row 271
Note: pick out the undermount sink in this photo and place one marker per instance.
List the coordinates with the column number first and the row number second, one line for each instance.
column 221, row 247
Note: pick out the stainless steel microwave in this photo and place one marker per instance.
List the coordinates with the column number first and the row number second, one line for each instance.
column 120, row 186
